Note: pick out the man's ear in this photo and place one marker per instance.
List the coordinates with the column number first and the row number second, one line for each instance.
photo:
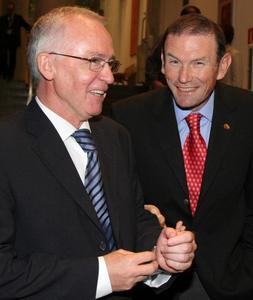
column 163, row 67
column 45, row 65
column 224, row 64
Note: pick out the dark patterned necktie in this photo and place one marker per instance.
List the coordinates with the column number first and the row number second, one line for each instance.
column 194, row 152
column 94, row 183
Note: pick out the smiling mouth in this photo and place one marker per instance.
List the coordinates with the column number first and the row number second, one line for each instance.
column 98, row 93
column 186, row 89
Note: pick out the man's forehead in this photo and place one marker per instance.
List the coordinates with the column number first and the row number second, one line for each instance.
column 191, row 35
column 191, row 46
column 191, row 40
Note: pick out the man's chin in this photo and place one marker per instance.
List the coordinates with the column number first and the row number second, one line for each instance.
column 189, row 106
column 183, row 105
column 95, row 112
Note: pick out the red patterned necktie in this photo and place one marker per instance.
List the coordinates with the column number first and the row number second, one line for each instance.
column 194, row 152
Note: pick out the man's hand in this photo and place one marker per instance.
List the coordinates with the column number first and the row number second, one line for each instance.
column 175, row 248
column 126, row 268
column 155, row 211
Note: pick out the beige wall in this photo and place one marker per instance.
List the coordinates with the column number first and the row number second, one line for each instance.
column 112, row 15
column 242, row 21
column 169, row 11
column 118, row 18
column 208, row 8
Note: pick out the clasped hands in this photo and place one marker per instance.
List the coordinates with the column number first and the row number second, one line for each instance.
column 174, row 253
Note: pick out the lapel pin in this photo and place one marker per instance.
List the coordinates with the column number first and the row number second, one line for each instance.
column 226, row 126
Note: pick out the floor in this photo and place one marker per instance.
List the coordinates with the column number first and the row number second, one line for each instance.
column 13, row 97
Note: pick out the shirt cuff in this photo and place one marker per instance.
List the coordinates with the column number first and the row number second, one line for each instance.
column 104, row 286
column 157, row 279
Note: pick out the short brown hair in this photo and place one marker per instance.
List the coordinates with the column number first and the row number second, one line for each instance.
column 197, row 24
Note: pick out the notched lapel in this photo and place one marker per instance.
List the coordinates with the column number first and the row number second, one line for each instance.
column 52, row 152
column 107, row 153
column 166, row 131
column 223, row 127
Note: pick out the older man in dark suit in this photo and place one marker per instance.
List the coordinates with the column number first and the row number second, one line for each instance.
column 194, row 151
column 71, row 208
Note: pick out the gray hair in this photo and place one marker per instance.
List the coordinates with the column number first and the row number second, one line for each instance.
column 47, row 28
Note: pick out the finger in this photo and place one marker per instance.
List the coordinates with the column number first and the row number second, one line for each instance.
column 183, row 228
column 144, row 257
column 176, row 267
column 194, row 246
column 147, row 268
column 141, row 278
column 161, row 220
column 180, row 226
column 179, row 257
column 152, row 209
column 181, row 238
column 169, row 232
column 177, row 249
column 123, row 251
column 155, row 211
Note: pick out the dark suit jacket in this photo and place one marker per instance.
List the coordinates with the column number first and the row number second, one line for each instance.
column 49, row 234
column 223, row 223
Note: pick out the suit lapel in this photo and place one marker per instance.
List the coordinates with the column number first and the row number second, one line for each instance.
column 107, row 153
column 165, row 130
column 51, row 150
column 223, row 126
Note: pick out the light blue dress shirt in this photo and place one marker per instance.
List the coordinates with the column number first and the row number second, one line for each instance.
column 205, row 122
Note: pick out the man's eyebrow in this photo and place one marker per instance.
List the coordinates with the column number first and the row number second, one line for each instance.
column 168, row 54
column 100, row 55
column 171, row 55
column 201, row 59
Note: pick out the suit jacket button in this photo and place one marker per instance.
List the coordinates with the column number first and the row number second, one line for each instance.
column 186, row 201
column 102, row 246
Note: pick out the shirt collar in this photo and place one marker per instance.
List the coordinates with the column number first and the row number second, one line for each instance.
column 63, row 127
column 206, row 110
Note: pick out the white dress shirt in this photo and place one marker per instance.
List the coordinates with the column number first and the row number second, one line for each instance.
column 79, row 158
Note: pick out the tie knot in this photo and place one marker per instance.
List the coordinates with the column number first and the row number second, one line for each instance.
column 84, row 139
column 193, row 121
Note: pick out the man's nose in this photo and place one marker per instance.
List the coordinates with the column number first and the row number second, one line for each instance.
column 106, row 74
column 185, row 74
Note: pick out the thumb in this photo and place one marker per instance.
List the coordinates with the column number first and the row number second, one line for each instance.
column 169, row 232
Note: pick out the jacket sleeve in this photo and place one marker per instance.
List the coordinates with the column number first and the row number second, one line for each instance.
column 38, row 275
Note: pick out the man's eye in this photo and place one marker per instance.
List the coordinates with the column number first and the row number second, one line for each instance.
column 173, row 62
column 95, row 60
column 199, row 63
